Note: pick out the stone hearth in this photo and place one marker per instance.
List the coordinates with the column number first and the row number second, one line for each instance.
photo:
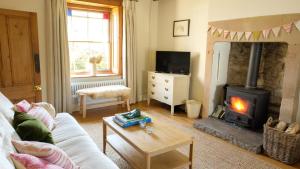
column 244, row 138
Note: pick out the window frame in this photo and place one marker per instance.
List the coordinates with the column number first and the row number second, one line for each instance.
column 108, row 72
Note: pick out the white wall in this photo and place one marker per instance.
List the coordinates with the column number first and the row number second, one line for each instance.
column 197, row 12
column 37, row 6
column 146, row 25
column 231, row 9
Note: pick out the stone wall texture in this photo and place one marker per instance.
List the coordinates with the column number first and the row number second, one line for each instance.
column 271, row 69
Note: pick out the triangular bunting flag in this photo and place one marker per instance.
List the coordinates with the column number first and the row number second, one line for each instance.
column 248, row 35
column 276, row 31
column 209, row 27
column 232, row 35
column 226, row 33
column 256, row 35
column 288, row 27
column 240, row 35
column 266, row 33
column 213, row 30
column 297, row 24
column 220, row 31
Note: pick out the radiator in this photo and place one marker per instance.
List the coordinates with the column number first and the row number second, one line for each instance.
column 83, row 85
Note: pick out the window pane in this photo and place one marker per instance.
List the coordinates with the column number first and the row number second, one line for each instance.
column 79, row 13
column 98, row 30
column 78, row 29
column 81, row 52
column 95, row 15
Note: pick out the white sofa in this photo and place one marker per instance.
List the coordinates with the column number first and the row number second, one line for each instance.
column 67, row 135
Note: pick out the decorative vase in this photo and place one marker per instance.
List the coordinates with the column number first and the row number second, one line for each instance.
column 94, row 71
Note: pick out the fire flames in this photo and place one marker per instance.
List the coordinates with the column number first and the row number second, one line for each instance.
column 239, row 105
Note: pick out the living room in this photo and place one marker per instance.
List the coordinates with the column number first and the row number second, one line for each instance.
column 174, row 63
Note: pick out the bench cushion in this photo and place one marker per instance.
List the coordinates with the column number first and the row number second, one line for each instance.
column 106, row 92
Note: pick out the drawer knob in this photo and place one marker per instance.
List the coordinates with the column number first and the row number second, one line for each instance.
column 166, row 89
column 153, row 77
column 152, row 93
column 166, row 97
column 167, row 81
column 153, row 85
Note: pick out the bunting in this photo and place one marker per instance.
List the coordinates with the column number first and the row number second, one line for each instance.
column 266, row 33
column 297, row 24
column 240, row 35
column 276, row 31
column 220, row 31
column 288, row 27
column 248, row 35
column 226, row 33
column 213, row 30
column 232, row 35
column 255, row 35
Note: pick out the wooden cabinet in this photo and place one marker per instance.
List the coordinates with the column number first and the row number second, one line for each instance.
column 20, row 76
column 172, row 89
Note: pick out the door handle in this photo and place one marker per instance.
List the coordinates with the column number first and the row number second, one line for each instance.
column 37, row 63
column 37, row 88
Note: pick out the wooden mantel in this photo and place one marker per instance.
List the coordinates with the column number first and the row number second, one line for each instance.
column 291, row 82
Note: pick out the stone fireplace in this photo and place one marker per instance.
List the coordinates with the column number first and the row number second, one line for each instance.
column 279, row 69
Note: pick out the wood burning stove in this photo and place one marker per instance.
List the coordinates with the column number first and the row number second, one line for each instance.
column 247, row 106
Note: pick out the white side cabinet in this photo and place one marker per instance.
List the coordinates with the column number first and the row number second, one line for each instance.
column 172, row 89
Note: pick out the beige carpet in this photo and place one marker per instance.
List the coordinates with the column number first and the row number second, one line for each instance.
column 209, row 152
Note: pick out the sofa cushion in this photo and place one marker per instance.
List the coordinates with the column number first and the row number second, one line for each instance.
column 45, row 151
column 22, row 106
column 49, row 107
column 22, row 161
column 70, row 137
column 42, row 114
column 6, row 108
column 85, row 153
column 7, row 133
column 66, row 127
column 31, row 129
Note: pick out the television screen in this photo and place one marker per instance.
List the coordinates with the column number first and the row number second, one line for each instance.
column 173, row 62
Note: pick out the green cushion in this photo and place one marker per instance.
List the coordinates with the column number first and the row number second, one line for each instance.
column 31, row 129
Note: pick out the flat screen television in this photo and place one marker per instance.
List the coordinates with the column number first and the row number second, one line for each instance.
column 173, row 62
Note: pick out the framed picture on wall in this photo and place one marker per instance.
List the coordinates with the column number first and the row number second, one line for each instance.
column 181, row 28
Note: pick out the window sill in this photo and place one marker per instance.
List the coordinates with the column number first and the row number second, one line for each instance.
column 92, row 76
column 101, row 77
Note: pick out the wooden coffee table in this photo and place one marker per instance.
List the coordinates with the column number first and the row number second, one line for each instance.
column 149, row 151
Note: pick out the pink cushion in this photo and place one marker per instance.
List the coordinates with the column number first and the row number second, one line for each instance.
column 42, row 114
column 26, row 161
column 22, row 106
column 45, row 151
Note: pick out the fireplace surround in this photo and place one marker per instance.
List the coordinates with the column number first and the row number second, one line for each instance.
column 291, row 76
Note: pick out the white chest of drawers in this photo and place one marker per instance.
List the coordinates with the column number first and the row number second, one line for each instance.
column 172, row 89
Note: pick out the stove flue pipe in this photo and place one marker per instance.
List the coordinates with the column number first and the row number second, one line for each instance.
column 254, row 63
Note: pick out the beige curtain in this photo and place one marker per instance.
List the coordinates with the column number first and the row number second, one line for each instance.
column 130, row 47
column 58, row 67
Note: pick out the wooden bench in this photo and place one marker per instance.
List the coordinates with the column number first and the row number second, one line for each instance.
column 114, row 91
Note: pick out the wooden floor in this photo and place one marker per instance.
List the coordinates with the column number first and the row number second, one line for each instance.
column 161, row 110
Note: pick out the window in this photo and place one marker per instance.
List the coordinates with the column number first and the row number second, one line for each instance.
column 92, row 46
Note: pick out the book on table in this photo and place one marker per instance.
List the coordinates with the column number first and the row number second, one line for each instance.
column 124, row 122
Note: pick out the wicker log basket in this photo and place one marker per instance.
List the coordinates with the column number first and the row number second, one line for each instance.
column 281, row 145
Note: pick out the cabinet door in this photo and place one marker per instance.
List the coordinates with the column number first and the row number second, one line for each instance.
column 20, row 76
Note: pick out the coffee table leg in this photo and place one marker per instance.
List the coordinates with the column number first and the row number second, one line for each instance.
column 104, row 137
column 191, row 155
column 148, row 162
